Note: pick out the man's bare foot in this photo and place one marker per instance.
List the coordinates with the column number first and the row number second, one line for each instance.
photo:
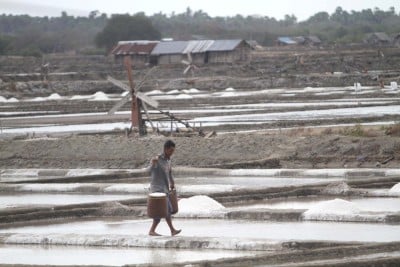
column 175, row 232
column 154, row 234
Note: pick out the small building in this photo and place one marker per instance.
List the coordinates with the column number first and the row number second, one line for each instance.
column 139, row 50
column 202, row 51
column 378, row 39
column 228, row 51
column 170, row 52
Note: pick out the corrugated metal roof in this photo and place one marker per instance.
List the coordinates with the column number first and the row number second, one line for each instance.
column 286, row 40
column 198, row 46
column 173, row 47
column 133, row 47
column 224, row 45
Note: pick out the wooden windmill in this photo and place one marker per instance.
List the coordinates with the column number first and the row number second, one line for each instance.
column 140, row 101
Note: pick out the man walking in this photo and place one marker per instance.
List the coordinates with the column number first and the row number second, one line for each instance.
column 162, row 182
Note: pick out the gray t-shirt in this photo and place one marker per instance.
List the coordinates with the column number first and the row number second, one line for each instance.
column 161, row 175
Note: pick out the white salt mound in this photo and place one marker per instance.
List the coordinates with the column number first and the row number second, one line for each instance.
column 395, row 190
column 191, row 91
column 230, row 89
column 54, row 96
column 3, row 99
column 100, row 96
column 331, row 210
column 199, row 205
column 12, row 100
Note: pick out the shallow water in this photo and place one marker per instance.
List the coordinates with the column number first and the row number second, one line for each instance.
column 252, row 182
column 22, row 200
column 283, row 231
column 61, row 255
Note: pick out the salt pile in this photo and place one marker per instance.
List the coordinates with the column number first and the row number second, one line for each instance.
column 191, row 91
column 332, row 210
column 54, row 96
column 395, row 190
column 199, row 206
column 100, row 96
column 230, row 89
column 12, row 100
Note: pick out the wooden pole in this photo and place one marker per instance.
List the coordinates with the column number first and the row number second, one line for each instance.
column 136, row 116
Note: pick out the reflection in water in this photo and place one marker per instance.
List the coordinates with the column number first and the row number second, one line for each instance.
column 61, row 255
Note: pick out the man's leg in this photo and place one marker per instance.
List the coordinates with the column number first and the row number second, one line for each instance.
column 171, row 227
column 153, row 227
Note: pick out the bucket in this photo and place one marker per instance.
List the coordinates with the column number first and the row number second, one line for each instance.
column 157, row 206
column 173, row 198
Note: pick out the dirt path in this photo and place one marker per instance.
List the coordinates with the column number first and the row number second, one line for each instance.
column 301, row 149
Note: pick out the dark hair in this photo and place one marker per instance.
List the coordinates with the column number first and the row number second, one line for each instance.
column 169, row 143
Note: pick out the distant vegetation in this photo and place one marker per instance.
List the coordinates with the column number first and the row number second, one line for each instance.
column 25, row 35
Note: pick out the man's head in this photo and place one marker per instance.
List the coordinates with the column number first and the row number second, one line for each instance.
column 169, row 148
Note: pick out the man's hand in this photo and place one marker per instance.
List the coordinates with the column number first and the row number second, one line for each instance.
column 154, row 161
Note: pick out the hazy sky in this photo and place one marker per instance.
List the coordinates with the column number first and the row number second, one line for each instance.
column 302, row 9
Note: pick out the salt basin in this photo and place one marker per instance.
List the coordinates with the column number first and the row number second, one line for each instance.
column 199, row 206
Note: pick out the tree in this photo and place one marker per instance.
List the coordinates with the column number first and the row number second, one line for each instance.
column 126, row 27
column 5, row 41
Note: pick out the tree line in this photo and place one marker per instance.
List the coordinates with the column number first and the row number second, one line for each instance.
column 97, row 33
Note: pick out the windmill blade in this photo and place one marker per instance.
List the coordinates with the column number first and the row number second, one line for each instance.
column 118, row 83
column 141, row 96
column 148, row 100
column 187, row 69
column 190, row 57
column 185, row 62
column 119, row 104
